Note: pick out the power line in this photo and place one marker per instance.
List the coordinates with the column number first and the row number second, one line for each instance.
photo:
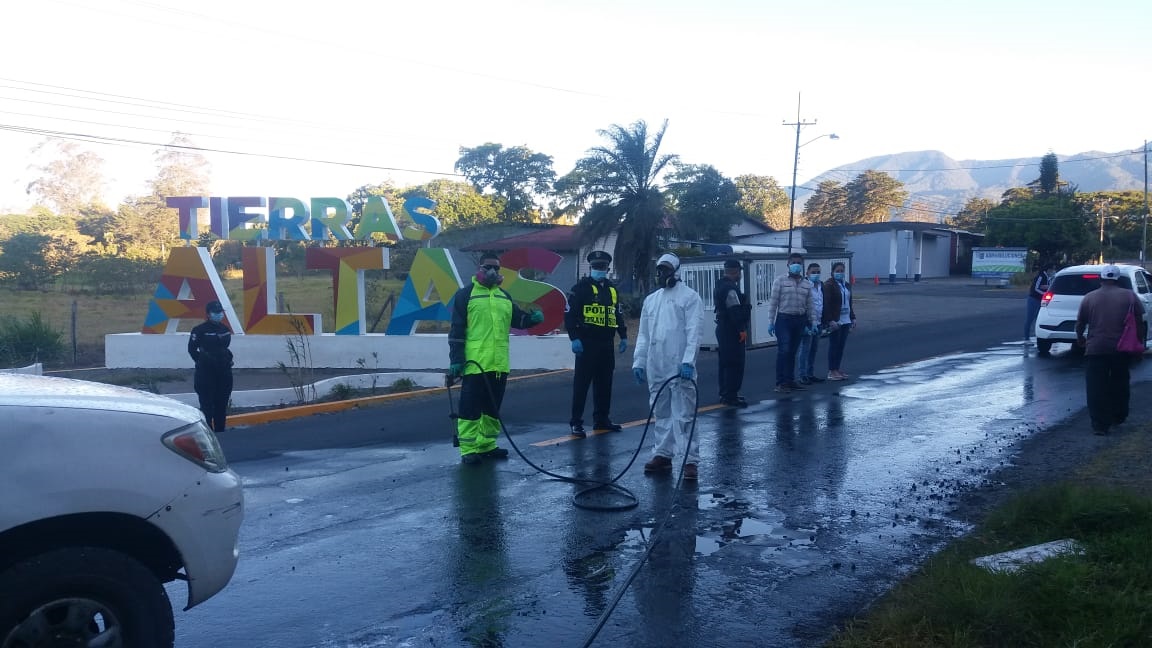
column 104, row 139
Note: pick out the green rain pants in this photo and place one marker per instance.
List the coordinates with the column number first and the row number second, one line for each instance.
column 478, row 424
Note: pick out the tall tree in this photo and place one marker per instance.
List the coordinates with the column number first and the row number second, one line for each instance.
column 31, row 260
column 181, row 170
column 386, row 190
column 827, row 206
column 1049, row 174
column 973, row 215
column 458, row 204
column 71, row 180
column 707, row 203
column 144, row 227
column 762, row 198
column 873, row 195
column 515, row 174
column 620, row 182
column 1056, row 229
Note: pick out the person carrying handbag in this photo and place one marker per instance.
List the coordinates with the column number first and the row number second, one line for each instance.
column 1100, row 325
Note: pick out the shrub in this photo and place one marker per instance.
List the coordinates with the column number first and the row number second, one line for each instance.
column 25, row 341
column 403, row 385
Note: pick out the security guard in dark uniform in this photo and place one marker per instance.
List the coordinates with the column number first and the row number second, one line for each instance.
column 208, row 345
column 733, row 312
column 593, row 318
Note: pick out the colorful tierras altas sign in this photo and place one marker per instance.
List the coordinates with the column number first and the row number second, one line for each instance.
column 190, row 280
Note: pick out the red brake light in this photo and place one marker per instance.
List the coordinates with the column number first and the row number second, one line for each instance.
column 197, row 444
column 1090, row 276
column 1046, row 298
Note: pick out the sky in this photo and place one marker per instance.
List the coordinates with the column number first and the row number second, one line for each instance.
column 398, row 88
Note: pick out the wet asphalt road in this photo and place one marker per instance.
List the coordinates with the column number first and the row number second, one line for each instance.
column 362, row 530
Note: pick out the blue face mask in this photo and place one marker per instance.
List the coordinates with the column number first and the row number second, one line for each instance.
column 814, row 278
column 795, row 268
column 216, row 317
column 599, row 274
column 838, row 276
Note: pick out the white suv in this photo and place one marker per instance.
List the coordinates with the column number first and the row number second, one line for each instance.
column 1057, row 319
column 106, row 493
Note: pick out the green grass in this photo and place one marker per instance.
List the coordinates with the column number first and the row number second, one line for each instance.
column 1100, row 598
column 98, row 315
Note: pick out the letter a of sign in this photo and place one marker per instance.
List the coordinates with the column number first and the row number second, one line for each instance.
column 436, row 275
column 188, row 283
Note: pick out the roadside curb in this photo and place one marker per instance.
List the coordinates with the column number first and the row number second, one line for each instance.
column 299, row 411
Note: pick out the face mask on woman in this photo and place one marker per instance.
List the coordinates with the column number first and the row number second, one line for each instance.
column 795, row 268
column 838, row 276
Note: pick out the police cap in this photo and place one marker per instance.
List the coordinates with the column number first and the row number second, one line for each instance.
column 599, row 256
column 731, row 263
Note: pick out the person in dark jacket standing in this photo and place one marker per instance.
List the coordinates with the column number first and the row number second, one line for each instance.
column 733, row 312
column 1103, row 312
column 593, row 319
column 1036, row 292
column 208, row 346
column 482, row 315
column 839, row 317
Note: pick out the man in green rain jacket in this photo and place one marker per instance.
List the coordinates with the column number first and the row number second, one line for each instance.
column 482, row 315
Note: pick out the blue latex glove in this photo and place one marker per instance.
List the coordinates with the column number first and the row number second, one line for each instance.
column 772, row 329
column 814, row 330
column 641, row 376
column 536, row 317
column 577, row 347
column 455, row 369
column 623, row 346
column 686, row 371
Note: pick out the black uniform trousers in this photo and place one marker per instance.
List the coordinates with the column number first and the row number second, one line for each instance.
column 482, row 394
column 1107, row 378
column 731, row 356
column 214, row 389
column 594, row 367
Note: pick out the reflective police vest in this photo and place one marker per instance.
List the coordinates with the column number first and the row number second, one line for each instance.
column 597, row 314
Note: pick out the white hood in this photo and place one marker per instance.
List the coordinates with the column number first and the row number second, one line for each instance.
column 21, row 390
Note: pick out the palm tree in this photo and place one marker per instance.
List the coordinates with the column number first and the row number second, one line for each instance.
column 618, row 185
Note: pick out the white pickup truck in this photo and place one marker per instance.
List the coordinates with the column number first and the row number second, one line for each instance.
column 106, row 493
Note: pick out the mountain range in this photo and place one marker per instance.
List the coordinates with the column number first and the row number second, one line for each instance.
column 945, row 184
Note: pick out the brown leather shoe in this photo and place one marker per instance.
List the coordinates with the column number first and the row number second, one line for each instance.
column 690, row 473
column 658, row 464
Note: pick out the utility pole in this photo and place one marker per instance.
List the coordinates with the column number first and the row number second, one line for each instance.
column 1101, row 205
column 799, row 123
column 1144, row 236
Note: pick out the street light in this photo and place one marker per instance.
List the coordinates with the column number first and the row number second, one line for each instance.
column 799, row 123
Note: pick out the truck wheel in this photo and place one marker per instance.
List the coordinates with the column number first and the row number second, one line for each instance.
column 1044, row 347
column 83, row 596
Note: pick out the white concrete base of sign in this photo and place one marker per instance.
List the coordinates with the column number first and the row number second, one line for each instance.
column 328, row 351
column 1011, row 561
column 319, row 389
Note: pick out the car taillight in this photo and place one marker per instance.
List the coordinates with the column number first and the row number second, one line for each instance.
column 197, row 444
column 1046, row 298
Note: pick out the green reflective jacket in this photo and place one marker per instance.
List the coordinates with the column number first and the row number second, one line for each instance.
column 481, row 320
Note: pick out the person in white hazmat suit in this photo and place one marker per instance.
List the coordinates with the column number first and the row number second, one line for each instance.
column 666, row 346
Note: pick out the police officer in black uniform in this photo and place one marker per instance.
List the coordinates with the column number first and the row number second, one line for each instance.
column 733, row 312
column 593, row 318
column 208, row 346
